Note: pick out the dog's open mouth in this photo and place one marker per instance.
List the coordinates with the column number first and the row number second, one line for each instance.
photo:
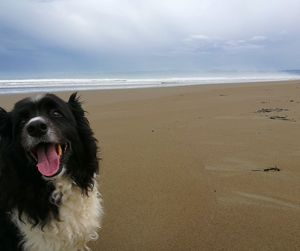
column 49, row 157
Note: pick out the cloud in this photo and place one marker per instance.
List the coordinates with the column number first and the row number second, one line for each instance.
column 148, row 30
column 99, row 23
column 199, row 43
column 259, row 38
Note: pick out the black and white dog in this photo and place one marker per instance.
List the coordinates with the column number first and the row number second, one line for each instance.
column 49, row 200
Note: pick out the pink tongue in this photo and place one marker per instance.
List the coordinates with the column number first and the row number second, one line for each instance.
column 48, row 160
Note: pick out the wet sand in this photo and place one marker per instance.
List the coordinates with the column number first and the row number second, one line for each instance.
column 212, row 167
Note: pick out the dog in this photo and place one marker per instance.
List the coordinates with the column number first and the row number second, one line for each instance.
column 49, row 198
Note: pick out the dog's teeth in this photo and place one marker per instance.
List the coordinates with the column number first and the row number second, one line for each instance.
column 59, row 150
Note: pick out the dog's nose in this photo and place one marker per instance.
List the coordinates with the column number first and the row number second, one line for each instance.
column 37, row 128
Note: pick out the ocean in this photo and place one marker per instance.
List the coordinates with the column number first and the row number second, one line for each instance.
column 13, row 86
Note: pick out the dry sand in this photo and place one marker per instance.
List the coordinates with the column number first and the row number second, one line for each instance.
column 183, row 167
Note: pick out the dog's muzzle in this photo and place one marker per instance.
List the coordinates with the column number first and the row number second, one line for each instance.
column 43, row 146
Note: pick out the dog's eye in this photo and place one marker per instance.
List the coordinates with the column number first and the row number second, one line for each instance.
column 23, row 118
column 56, row 113
column 22, row 122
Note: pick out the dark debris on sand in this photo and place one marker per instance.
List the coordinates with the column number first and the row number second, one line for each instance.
column 267, row 110
column 270, row 113
column 272, row 169
column 281, row 118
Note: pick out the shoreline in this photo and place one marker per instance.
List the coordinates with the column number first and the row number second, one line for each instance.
column 82, row 85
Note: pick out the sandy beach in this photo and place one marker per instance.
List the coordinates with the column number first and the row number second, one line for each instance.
column 211, row 167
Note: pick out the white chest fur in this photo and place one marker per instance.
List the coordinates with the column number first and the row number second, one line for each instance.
column 80, row 218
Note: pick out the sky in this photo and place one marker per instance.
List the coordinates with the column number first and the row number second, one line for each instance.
column 56, row 37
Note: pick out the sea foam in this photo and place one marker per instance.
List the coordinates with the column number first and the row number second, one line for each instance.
column 74, row 84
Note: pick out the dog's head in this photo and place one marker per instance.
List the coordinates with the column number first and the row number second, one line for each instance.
column 50, row 137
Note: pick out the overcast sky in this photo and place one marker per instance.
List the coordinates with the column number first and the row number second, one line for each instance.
column 90, row 36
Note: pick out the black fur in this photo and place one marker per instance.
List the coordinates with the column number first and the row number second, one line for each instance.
column 22, row 187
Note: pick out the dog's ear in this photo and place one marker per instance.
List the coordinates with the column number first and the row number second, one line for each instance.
column 78, row 112
column 4, row 123
column 75, row 106
column 73, row 98
column 85, row 152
